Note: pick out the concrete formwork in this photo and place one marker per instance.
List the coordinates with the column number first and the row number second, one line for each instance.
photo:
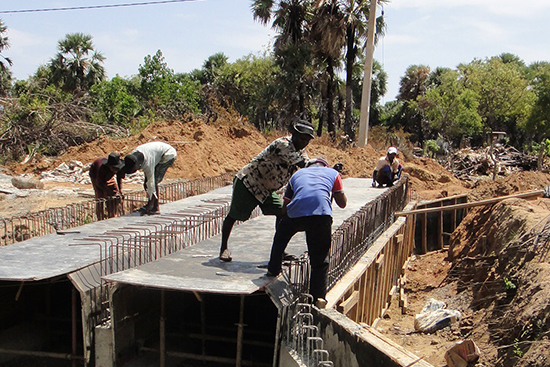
column 191, row 275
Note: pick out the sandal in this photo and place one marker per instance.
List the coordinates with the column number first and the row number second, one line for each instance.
column 225, row 256
column 289, row 257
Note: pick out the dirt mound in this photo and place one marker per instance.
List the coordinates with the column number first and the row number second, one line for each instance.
column 203, row 150
column 514, row 183
column 430, row 180
column 206, row 149
column 504, row 267
column 495, row 273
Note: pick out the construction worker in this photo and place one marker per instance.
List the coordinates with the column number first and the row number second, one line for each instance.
column 106, row 188
column 387, row 170
column 257, row 182
column 154, row 159
column 308, row 205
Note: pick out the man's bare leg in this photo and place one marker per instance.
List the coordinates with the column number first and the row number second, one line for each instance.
column 227, row 226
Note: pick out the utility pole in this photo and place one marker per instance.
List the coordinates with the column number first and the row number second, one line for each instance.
column 367, row 78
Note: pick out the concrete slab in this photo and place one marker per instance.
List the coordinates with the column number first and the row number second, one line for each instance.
column 54, row 255
column 197, row 268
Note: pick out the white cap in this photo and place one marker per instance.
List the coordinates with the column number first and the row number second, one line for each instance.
column 392, row 150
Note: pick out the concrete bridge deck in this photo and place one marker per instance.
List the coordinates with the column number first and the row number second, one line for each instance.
column 195, row 268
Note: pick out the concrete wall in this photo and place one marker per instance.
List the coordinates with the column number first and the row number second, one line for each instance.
column 352, row 345
column 286, row 360
column 104, row 344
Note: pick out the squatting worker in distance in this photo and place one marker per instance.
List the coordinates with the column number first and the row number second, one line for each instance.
column 388, row 169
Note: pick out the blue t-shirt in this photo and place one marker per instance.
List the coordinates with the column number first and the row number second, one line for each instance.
column 310, row 190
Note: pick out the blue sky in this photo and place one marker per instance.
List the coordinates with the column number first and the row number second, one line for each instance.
column 429, row 32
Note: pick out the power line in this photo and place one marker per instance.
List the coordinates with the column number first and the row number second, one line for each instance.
column 92, row 7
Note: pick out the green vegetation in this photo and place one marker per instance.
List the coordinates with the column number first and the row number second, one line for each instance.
column 314, row 71
column 517, row 349
column 509, row 284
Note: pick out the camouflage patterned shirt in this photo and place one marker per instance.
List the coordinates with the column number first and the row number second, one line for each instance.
column 272, row 168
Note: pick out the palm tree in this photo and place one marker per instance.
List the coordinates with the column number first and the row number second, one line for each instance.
column 77, row 66
column 292, row 50
column 5, row 73
column 328, row 36
column 356, row 14
column 413, row 84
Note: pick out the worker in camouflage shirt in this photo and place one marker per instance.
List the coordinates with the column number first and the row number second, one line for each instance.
column 257, row 182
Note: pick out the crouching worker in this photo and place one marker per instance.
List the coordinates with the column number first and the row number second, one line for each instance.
column 387, row 170
column 154, row 159
column 308, row 204
column 106, row 188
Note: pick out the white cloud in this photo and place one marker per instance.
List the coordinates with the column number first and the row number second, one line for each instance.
column 28, row 51
column 483, row 31
column 401, row 39
column 499, row 7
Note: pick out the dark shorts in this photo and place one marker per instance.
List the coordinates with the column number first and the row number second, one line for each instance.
column 384, row 176
column 243, row 203
column 160, row 170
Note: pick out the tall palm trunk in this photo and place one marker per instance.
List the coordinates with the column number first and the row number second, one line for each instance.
column 302, row 100
column 351, row 53
column 330, row 97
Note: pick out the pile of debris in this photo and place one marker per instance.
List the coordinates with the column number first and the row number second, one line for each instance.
column 468, row 163
column 76, row 172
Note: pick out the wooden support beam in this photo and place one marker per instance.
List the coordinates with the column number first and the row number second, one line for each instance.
column 440, row 228
column 530, row 194
column 379, row 261
column 403, row 301
column 424, row 221
column 349, row 303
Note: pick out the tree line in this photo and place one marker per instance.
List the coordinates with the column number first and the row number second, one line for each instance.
column 314, row 71
column 462, row 106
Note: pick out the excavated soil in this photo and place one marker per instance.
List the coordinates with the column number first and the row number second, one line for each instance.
column 206, row 150
column 495, row 272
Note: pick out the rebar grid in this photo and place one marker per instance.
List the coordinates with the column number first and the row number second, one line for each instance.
column 302, row 335
column 132, row 246
column 23, row 227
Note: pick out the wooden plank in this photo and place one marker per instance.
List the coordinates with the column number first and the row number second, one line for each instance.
column 440, row 229
column 375, row 322
column 379, row 261
column 424, row 219
column 353, row 275
column 391, row 349
column 349, row 303
column 372, row 296
column 399, row 238
column 448, row 198
column 347, row 282
column 362, row 298
column 405, row 306
column 529, row 194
